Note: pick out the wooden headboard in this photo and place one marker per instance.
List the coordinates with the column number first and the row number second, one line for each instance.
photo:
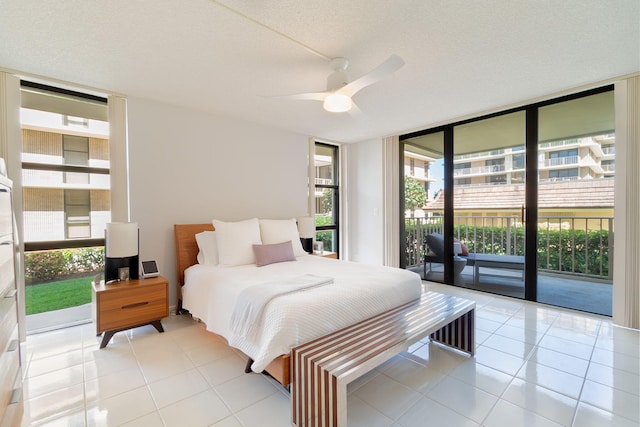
column 186, row 249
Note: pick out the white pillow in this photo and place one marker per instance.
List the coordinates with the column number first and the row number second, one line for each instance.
column 236, row 240
column 208, row 245
column 281, row 230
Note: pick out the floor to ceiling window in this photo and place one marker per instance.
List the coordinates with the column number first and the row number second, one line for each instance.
column 327, row 200
column 66, row 201
column 520, row 203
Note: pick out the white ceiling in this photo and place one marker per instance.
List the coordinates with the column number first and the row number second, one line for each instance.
column 231, row 56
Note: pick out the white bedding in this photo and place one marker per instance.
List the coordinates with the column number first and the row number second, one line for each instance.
column 359, row 291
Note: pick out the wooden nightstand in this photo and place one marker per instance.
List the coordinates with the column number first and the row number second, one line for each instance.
column 129, row 304
column 326, row 254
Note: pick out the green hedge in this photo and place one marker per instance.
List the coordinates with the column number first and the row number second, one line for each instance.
column 46, row 266
column 575, row 251
column 326, row 237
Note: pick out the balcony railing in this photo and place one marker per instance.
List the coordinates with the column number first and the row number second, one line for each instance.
column 479, row 155
column 567, row 245
column 560, row 161
column 555, row 144
column 479, row 170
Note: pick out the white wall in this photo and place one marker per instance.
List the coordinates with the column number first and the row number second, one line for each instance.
column 364, row 195
column 189, row 167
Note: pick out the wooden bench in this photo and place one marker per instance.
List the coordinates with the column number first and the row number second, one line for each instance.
column 322, row 368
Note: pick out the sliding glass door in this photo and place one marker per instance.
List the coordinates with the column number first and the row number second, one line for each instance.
column 576, row 164
column 518, row 203
column 488, row 204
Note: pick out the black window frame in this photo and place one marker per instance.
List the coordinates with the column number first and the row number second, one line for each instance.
column 335, row 227
column 65, row 168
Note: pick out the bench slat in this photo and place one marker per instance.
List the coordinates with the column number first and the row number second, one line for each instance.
column 322, row 368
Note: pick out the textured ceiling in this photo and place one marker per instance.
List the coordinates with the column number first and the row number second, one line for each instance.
column 232, row 57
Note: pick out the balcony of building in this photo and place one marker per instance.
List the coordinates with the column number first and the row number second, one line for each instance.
column 588, row 142
column 481, row 170
column 574, row 263
column 586, row 161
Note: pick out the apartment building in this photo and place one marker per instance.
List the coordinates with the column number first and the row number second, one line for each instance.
column 65, row 178
column 575, row 178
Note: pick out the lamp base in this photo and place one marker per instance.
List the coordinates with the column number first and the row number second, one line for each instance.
column 307, row 244
column 121, row 268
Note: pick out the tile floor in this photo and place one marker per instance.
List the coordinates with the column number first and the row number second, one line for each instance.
column 535, row 366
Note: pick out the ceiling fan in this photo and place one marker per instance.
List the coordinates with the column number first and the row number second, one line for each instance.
column 337, row 97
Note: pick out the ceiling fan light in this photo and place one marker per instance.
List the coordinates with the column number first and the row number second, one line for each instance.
column 337, row 103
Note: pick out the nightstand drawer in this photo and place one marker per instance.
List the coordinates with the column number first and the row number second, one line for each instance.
column 6, row 216
column 6, row 268
column 14, row 411
column 8, row 320
column 131, row 306
column 9, row 368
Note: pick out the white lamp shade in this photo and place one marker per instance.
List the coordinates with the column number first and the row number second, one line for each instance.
column 306, row 227
column 121, row 239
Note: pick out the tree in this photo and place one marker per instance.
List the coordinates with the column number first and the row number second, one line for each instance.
column 414, row 194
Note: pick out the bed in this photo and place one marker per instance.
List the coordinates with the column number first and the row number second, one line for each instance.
column 356, row 292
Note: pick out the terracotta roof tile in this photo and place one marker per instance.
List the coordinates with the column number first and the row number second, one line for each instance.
column 591, row 193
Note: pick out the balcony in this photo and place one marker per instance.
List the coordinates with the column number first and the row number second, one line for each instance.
column 574, row 263
column 480, row 155
column 479, row 170
column 324, row 181
column 559, row 162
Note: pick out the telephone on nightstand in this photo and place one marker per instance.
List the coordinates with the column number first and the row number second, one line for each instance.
column 149, row 269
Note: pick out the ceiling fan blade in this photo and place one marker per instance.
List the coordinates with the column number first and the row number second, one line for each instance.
column 311, row 96
column 392, row 64
column 356, row 112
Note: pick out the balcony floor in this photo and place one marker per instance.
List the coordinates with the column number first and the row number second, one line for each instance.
column 567, row 291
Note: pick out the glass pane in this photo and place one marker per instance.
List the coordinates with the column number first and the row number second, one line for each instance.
column 328, row 239
column 489, row 193
column 576, row 159
column 54, row 209
column 60, row 279
column 424, row 203
column 325, row 204
column 76, row 178
column 76, row 197
column 78, row 231
column 325, row 165
column 49, row 199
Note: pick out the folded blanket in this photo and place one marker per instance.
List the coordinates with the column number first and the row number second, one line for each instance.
column 252, row 300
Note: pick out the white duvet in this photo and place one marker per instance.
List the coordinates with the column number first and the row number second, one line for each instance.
column 358, row 291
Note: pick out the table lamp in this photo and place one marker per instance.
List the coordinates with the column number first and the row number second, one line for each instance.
column 306, row 229
column 121, row 251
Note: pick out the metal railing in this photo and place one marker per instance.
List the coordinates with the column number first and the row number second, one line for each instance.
column 580, row 246
column 478, row 170
column 559, row 161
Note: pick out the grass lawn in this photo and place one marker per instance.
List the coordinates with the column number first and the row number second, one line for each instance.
column 57, row 295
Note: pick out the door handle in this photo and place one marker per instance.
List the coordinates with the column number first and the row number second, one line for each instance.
column 522, row 211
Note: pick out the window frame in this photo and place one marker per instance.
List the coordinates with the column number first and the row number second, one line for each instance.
column 335, row 187
column 64, row 168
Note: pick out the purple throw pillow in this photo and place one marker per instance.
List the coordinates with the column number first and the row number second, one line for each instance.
column 276, row 252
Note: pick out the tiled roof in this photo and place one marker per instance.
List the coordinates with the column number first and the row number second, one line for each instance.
column 586, row 193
